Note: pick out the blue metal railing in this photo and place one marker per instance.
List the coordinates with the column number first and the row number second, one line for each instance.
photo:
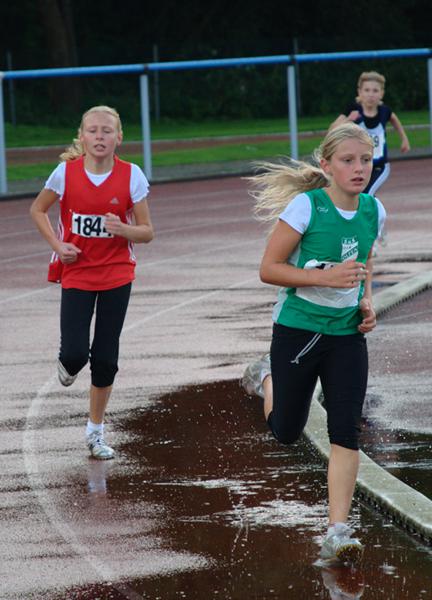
column 142, row 70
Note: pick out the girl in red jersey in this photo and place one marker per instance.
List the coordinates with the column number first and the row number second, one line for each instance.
column 103, row 211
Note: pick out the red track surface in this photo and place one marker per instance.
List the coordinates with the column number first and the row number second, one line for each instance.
column 198, row 314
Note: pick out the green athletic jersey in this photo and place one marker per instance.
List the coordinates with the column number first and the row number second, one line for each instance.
column 328, row 240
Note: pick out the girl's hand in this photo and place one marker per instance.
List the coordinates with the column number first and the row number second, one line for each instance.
column 114, row 225
column 344, row 275
column 369, row 316
column 405, row 146
column 67, row 252
column 354, row 115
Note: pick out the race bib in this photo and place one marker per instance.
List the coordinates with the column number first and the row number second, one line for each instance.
column 327, row 296
column 90, row 226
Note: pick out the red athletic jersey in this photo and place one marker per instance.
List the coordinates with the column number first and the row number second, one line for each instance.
column 105, row 261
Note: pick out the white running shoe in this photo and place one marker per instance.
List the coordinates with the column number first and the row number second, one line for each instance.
column 338, row 544
column 98, row 447
column 255, row 374
column 64, row 377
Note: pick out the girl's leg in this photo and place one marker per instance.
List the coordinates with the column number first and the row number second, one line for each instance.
column 342, row 474
column 268, row 396
column 343, row 374
column 294, row 357
column 110, row 314
column 378, row 177
column 99, row 397
column 76, row 311
column 344, row 379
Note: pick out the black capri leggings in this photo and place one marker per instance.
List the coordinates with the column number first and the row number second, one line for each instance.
column 76, row 312
column 298, row 358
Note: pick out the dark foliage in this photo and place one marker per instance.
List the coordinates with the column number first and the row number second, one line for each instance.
column 53, row 33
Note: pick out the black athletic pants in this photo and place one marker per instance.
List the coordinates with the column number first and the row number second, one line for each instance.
column 298, row 358
column 76, row 312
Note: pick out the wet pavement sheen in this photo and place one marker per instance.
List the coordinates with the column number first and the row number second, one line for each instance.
column 246, row 513
column 398, row 413
column 201, row 502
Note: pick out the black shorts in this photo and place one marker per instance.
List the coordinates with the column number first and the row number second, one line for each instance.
column 298, row 357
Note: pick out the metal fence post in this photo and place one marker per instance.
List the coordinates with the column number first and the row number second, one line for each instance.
column 3, row 176
column 292, row 111
column 145, row 124
column 429, row 68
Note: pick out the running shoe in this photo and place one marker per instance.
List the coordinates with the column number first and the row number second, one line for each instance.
column 255, row 374
column 64, row 377
column 338, row 544
column 98, row 447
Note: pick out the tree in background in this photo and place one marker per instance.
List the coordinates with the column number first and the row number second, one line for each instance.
column 56, row 19
column 58, row 33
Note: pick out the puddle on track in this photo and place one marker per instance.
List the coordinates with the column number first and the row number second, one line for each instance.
column 251, row 510
column 398, row 357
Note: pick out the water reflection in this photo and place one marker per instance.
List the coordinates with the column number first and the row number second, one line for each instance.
column 97, row 478
column 253, row 511
column 343, row 583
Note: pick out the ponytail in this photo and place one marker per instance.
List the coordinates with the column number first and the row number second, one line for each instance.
column 277, row 185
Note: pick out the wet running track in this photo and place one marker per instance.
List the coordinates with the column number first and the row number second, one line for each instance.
column 201, row 502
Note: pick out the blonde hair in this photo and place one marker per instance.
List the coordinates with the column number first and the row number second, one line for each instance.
column 75, row 150
column 370, row 76
column 279, row 183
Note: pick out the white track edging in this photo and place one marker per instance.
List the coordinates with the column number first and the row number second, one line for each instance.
column 399, row 501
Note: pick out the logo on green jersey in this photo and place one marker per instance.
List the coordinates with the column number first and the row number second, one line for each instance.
column 349, row 248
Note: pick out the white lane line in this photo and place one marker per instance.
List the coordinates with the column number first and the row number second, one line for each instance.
column 5, row 261
column 46, row 498
column 194, row 300
column 144, row 265
column 18, row 233
column 32, row 231
column 26, row 295
column 195, row 225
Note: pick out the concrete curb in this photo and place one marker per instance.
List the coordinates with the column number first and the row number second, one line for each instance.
column 404, row 505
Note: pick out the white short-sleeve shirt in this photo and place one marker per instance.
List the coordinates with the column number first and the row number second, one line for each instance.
column 298, row 213
column 139, row 186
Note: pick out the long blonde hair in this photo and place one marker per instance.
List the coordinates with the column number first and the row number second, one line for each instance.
column 75, row 150
column 278, row 183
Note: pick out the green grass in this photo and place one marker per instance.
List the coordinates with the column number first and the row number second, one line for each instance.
column 229, row 152
column 29, row 135
column 244, row 151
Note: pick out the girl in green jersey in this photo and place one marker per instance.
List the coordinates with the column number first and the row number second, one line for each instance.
column 319, row 254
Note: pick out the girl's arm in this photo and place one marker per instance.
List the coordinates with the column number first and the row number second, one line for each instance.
column 275, row 270
column 353, row 116
column 405, row 145
column 67, row 252
column 140, row 231
column 366, row 305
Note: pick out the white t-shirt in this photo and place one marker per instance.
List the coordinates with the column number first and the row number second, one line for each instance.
column 139, row 186
column 298, row 213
